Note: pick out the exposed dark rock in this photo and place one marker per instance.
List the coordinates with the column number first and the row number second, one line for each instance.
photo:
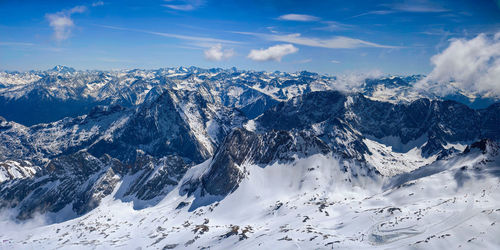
column 79, row 179
column 242, row 146
column 484, row 145
column 156, row 176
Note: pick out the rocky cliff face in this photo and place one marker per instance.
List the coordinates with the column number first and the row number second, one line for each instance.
column 12, row 169
column 243, row 147
column 342, row 120
column 78, row 180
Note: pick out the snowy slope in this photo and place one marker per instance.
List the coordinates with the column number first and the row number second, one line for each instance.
column 450, row 203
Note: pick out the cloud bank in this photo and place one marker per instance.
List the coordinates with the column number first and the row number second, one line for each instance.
column 273, row 53
column 472, row 65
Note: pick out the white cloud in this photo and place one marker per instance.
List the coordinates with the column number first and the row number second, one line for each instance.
column 472, row 65
column 183, row 5
column 273, row 53
column 334, row 61
column 62, row 23
column 353, row 81
column 62, row 26
column 215, row 53
column 338, row 42
column 76, row 9
column 298, row 17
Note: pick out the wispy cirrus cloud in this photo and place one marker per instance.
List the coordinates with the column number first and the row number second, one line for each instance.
column 16, row 44
column 205, row 41
column 298, row 17
column 375, row 12
column 183, row 5
column 418, row 8
column 334, row 26
column 273, row 53
column 329, row 25
column 410, row 6
column 337, row 42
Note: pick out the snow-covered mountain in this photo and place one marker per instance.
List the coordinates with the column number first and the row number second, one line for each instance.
column 195, row 158
column 45, row 96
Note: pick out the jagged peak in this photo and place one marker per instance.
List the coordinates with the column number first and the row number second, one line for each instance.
column 63, row 69
column 485, row 145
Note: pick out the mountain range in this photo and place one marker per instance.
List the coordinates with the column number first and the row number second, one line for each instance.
column 224, row 158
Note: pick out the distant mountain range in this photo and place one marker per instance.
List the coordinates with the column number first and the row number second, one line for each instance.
column 45, row 96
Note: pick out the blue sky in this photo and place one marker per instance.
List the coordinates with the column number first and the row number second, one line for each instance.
column 395, row 37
